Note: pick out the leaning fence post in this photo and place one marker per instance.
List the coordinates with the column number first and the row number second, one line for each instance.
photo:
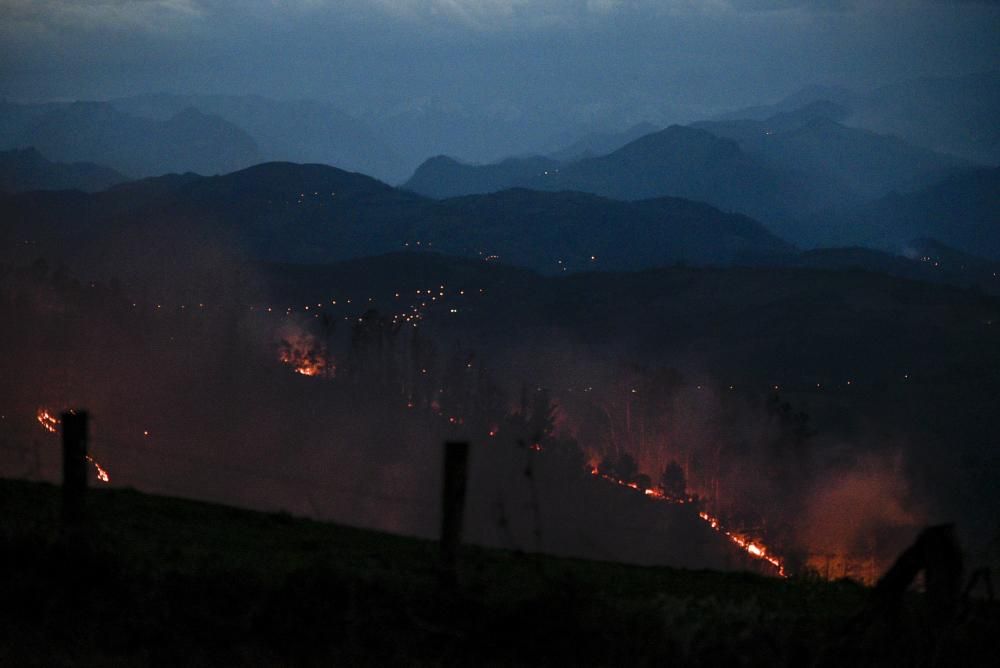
column 456, row 461
column 74, row 486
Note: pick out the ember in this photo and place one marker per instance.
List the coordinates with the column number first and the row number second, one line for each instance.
column 306, row 356
column 51, row 424
column 752, row 547
column 47, row 420
column 102, row 474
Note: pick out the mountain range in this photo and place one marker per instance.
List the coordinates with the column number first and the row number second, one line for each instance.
column 956, row 115
column 284, row 212
column 806, row 175
column 676, row 161
column 962, row 211
column 839, row 162
column 789, row 165
column 314, row 213
column 304, row 131
column 137, row 147
column 27, row 169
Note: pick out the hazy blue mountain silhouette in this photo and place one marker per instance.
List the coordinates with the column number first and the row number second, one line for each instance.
column 442, row 176
column 27, row 169
column 838, row 162
column 682, row 162
column 957, row 115
column 925, row 260
column 675, row 162
column 315, row 213
column 303, row 131
column 962, row 211
column 601, row 143
column 137, row 147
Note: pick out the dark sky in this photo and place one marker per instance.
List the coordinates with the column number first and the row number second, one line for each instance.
column 632, row 58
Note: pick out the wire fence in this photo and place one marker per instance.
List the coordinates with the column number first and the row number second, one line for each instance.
column 512, row 520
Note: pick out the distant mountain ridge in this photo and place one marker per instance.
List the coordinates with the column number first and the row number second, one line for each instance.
column 137, row 147
column 442, row 176
column 314, row 213
column 676, row 162
column 786, row 166
column 839, row 161
column 302, row 131
column 962, row 211
column 601, row 143
column 27, row 169
column 956, row 115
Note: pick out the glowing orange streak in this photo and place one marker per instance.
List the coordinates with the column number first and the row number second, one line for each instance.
column 102, row 474
column 51, row 425
column 47, row 420
column 750, row 547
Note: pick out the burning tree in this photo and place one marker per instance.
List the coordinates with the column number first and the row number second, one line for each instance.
column 306, row 355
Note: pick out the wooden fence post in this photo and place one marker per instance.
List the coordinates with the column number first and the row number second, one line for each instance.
column 456, row 463
column 74, row 485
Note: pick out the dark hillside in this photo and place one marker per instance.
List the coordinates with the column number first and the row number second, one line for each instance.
column 442, row 177
column 960, row 211
column 137, row 147
column 838, row 161
column 27, row 169
column 681, row 162
column 163, row 581
column 313, row 213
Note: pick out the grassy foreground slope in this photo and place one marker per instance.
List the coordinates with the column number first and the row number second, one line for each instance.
column 162, row 581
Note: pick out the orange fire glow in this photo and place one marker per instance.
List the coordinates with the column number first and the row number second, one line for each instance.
column 51, row 424
column 752, row 547
column 102, row 474
column 305, row 356
column 48, row 421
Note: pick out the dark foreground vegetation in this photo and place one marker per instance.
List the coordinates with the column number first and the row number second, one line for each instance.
column 159, row 581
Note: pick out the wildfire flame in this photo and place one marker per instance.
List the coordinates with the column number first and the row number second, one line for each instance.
column 304, row 356
column 102, row 474
column 752, row 547
column 51, row 424
column 48, row 421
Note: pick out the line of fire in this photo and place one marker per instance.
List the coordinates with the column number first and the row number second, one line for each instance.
column 534, row 421
column 673, row 446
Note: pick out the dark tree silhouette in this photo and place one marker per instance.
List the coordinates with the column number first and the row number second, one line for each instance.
column 643, row 482
column 607, row 467
column 672, row 481
column 626, row 468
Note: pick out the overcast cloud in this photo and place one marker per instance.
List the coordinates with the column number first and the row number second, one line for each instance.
column 680, row 57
